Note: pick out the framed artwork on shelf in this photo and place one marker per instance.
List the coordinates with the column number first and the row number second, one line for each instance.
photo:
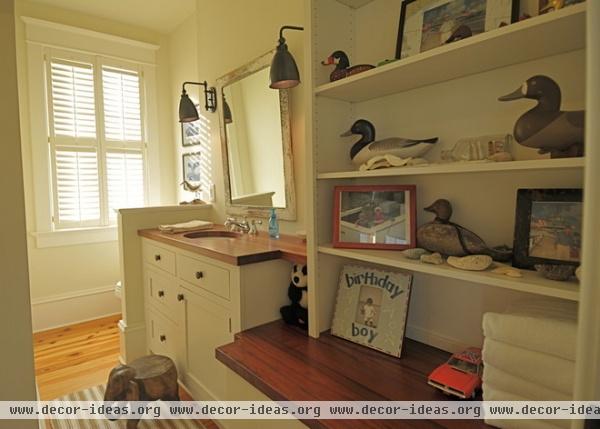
column 548, row 227
column 374, row 217
column 427, row 24
column 191, row 167
column 371, row 307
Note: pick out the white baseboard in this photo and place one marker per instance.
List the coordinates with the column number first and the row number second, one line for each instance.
column 66, row 309
column 133, row 341
column 433, row 339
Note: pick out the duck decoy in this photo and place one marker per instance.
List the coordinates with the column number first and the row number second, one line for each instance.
column 450, row 239
column 366, row 148
column 189, row 187
column 546, row 127
column 342, row 66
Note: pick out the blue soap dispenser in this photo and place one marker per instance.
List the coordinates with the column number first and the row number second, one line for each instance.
column 273, row 225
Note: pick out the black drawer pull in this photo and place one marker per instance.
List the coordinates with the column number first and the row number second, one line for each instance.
column 199, row 275
column 161, row 293
column 163, row 338
column 180, row 297
column 157, row 258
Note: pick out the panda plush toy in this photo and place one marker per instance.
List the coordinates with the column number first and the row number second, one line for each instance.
column 297, row 312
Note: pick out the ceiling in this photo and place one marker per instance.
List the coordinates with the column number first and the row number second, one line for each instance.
column 162, row 16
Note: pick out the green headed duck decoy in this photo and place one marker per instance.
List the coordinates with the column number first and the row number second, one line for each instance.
column 342, row 66
column 546, row 127
column 367, row 148
column 450, row 239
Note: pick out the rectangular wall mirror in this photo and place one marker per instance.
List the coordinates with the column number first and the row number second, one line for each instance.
column 256, row 143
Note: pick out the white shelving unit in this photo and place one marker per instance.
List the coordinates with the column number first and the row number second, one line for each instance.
column 531, row 282
column 459, row 168
column 542, row 36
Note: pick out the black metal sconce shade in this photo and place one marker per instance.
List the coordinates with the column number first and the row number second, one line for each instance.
column 187, row 110
column 284, row 71
column 227, row 117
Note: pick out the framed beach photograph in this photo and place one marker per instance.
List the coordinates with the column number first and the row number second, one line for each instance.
column 371, row 308
column 548, row 227
column 190, row 133
column 374, row 217
column 191, row 167
column 427, row 24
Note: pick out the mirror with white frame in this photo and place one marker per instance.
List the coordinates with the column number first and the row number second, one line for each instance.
column 256, row 143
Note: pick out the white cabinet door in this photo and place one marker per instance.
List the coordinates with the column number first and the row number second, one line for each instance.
column 207, row 325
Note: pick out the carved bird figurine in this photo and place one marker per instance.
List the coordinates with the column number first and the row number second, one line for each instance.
column 450, row 239
column 189, row 187
column 462, row 32
column 367, row 148
column 546, row 127
column 342, row 66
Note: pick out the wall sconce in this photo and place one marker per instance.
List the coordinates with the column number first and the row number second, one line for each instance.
column 187, row 110
column 284, row 71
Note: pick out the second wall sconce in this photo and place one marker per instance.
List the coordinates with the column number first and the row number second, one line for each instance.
column 187, row 110
column 284, row 71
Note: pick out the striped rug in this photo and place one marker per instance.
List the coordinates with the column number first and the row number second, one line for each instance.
column 97, row 394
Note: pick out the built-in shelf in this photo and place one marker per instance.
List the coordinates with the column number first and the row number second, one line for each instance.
column 355, row 4
column 459, row 167
column 542, row 36
column 531, row 282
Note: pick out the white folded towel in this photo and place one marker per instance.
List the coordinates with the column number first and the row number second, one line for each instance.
column 193, row 225
column 539, row 368
column 546, row 326
column 507, row 382
column 491, row 393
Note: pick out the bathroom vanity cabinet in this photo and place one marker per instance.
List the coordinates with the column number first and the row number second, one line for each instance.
column 195, row 304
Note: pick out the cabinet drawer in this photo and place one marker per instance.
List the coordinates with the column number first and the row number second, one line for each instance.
column 161, row 293
column 162, row 335
column 159, row 257
column 206, row 276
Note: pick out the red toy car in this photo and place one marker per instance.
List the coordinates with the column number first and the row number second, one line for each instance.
column 461, row 375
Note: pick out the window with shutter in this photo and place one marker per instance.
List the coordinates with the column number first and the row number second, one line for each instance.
column 96, row 140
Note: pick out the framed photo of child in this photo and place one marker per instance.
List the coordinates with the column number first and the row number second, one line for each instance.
column 371, row 307
column 374, row 217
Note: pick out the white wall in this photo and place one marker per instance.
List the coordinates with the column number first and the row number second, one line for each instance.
column 17, row 375
column 230, row 34
column 67, row 276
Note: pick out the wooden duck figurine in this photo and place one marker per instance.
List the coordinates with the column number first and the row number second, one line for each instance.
column 342, row 66
column 450, row 239
column 546, row 127
column 367, row 148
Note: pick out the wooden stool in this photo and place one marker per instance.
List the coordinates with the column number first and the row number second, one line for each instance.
column 148, row 378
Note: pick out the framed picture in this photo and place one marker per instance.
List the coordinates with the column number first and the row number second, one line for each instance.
column 371, row 308
column 374, row 217
column 546, row 6
column 191, row 167
column 548, row 227
column 190, row 133
column 427, row 24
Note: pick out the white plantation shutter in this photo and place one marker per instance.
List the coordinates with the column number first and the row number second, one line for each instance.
column 94, row 172
column 77, row 187
column 73, row 106
column 125, row 174
column 122, row 112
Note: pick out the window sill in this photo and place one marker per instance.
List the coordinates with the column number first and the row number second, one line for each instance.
column 73, row 237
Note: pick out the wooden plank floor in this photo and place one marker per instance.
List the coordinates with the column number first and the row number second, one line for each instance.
column 80, row 356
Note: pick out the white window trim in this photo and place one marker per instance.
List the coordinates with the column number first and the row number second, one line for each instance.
column 41, row 35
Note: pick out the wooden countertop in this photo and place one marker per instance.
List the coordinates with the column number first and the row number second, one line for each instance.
column 288, row 365
column 242, row 250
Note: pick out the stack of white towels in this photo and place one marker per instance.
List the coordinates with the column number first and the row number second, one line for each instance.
column 529, row 355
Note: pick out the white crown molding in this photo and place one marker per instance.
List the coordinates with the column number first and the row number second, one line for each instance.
column 89, row 33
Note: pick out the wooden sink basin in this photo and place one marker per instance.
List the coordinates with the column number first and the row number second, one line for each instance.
column 212, row 234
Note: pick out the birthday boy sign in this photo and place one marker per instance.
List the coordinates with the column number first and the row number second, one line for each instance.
column 371, row 308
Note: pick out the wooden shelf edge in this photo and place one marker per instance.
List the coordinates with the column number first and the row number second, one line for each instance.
column 573, row 16
column 531, row 282
column 459, row 168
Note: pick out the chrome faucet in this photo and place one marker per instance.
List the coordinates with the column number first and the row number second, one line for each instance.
column 243, row 226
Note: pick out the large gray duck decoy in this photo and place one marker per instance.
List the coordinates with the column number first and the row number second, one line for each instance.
column 367, row 148
column 450, row 239
column 342, row 66
column 546, row 127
